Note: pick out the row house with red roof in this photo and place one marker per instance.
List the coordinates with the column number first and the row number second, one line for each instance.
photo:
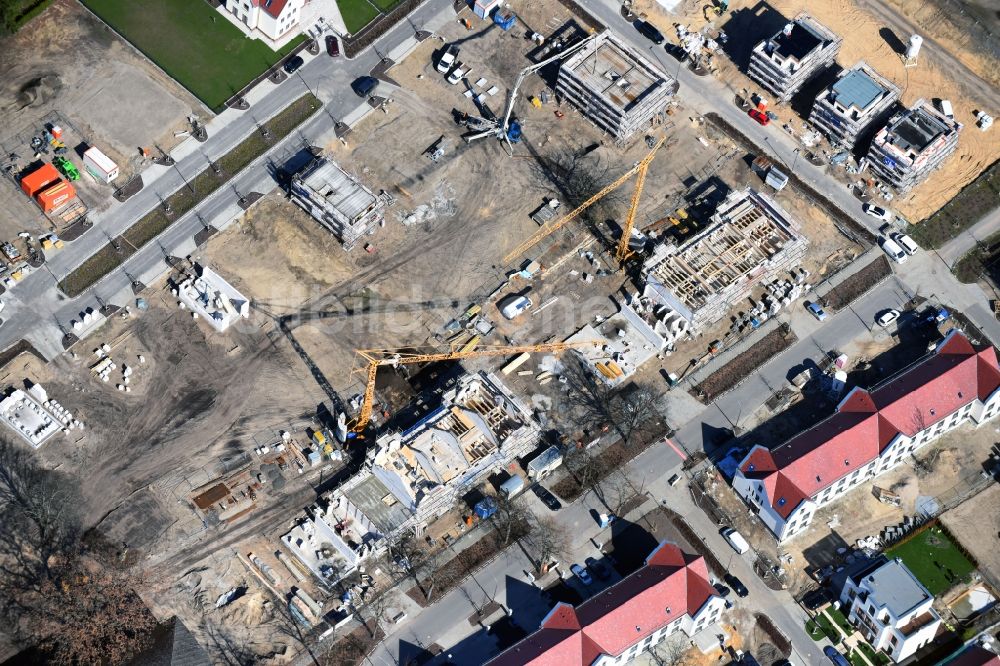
column 274, row 19
column 670, row 593
column 870, row 433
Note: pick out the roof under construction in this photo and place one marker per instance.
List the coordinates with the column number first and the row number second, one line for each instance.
column 748, row 238
column 339, row 188
column 615, row 72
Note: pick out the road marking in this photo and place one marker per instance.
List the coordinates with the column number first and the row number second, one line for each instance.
column 676, row 449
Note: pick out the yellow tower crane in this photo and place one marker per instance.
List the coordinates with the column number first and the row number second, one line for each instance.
column 376, row 358
column 550, row 229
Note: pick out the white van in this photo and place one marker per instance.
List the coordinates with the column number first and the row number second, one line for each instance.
column 736, row 540
column 946, row 109
column 895, row 252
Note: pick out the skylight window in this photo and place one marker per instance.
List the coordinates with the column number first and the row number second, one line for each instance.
column 781, row 501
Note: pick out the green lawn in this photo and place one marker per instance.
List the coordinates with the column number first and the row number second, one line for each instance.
column 934, row 559
column 192, row 42
column 359, row 13
column 840, row 619
column 821, row 626
column 874, row 657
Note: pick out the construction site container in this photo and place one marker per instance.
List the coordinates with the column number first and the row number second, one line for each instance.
column 38, row 180
column 99, row 165
column 56, row 196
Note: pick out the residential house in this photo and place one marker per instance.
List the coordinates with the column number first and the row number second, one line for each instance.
column 859, row 99
column 800, row 50
column 890, row 608
column 273, row 19
column 914, row 143
column 871, row 432
column 670, row 593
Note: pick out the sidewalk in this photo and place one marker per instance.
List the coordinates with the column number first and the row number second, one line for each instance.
column 957, row 247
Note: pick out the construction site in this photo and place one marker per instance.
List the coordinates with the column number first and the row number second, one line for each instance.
column 376, row 351
column 879, row 36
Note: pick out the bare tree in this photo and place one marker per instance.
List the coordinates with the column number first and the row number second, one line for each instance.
column 672, row 651
column 512, row 520
column 546, row 540
column 69, row 599
column 632, row 412
column 406, row 559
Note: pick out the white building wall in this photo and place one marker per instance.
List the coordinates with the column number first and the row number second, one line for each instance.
column 899, row 450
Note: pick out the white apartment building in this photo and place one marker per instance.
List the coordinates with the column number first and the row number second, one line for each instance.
column 890, row 608
column 670, row 593
column 870, row 433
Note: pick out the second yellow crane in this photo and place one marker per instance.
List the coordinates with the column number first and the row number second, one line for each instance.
column 623, row 251
column 376, row 358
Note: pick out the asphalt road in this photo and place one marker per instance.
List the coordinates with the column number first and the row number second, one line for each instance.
column 36, row 309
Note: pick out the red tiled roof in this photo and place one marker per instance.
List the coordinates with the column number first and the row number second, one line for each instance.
column 866, row 422
column 272, row 7
column 670, row 585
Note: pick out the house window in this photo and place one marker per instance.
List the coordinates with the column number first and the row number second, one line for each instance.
column 893, row 640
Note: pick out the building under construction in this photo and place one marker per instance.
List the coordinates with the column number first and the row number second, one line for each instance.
column 415, row 476
column 913, row 144
column 614, row 86
column 749, row 240
column 338, row 201
column 800, row 50
column 858, row 99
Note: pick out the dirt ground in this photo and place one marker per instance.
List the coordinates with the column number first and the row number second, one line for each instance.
column 67, row 62
column 955, row 460
column 866, row 37
column 976, row 524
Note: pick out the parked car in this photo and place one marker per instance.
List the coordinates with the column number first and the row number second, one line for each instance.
column 759, row 116
column 548, row 499
column 332, row 46
column 582, row 574
column 887, row 318
column 1, row 306
column 292, row 64
column 365, row 86
column 877, row 212
column 447, row 59
column 649, row 31
column 905, row 242
column 738, row 587
column 721, row 590
column 895, row 252
column 816, row 599
column 815, row 310
column 835, row 656
column 458, row 73
column 735, row 539
column 514, row 306
column 598, row 568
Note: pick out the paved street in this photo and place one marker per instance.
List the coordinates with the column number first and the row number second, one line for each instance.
column 36, row 309
column 954, row 249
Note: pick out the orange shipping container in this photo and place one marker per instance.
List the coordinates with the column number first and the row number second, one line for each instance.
column 38, row 180
column 56, row 196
